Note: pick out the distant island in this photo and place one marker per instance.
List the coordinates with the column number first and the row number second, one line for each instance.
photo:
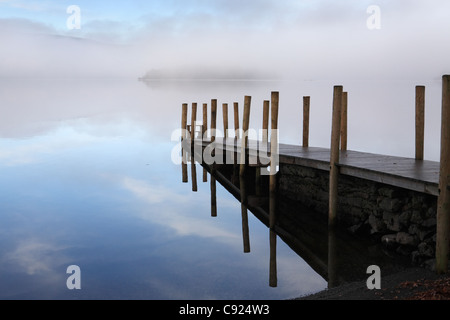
column 205, row 74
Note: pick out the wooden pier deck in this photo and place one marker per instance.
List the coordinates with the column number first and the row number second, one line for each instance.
column 408, row 173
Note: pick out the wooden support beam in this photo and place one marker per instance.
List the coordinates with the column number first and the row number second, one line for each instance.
column 213, row 166
column 420, row 122
column 204, row 137
column 273, row 156
column 344, row 121
column 306, row 111
column 334, row 157
column 443, row 209
column 213, row 119
column 193, row 120
column 184, row 111
column 205, row 120
column 245, row 127
column 265, row 126
column 225, row 119
column 236, row 120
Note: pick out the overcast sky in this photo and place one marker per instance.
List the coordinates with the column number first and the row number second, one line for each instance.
column 304, row 38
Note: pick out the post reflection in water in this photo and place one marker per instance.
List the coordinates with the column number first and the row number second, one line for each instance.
column 213, row 197
column 332, row 259
column 194, row 174
column 244, row 214
column 273, row 279
column 333, row 254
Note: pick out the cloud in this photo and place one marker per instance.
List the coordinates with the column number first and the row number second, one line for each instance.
column 37, row 148
column 34, row 256
column 175, row 209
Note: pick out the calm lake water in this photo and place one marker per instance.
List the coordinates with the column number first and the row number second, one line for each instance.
column 88, row 180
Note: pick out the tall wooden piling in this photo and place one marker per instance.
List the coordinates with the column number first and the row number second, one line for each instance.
column 306, row 111
column 245, row 127
column 193, row 120
column 273, row 157
column 236, row 120
column 184, row 111
column 443, row 209
column 205, row 120
column 213, row 119
column 213, row 166
column 204, row 130
column 265, row 126
column 334, row 157
column 344, row 121
column 225, row 119
column 237, row 136
column 273, row 280
column 420, row 122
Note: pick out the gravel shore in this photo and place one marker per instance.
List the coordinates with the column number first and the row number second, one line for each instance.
column 409, row 284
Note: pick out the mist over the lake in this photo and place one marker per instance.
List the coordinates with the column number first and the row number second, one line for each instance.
column 306, row 40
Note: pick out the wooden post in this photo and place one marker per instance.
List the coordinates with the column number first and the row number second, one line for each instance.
column 334, row 155
column 443, row 208
column 213, row 166
column 213, row 119
column 236, row 120
column 184, row 111
column 205, row 120
column 266, row 109
column 235, row 176
column 273, row 282
column 344, row 112
column 245, row 126
column 420, row 122
column 273, row 155
column 262, row 148
column 205, row 129
column 193, row 119
column 225, row 119
column 306, row 110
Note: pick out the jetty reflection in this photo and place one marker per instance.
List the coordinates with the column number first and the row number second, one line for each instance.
column 337, row 256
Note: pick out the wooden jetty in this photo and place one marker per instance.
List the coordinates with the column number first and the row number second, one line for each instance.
column 416, row 174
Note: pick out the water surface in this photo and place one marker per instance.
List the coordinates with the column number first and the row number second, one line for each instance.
column 88, row 180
